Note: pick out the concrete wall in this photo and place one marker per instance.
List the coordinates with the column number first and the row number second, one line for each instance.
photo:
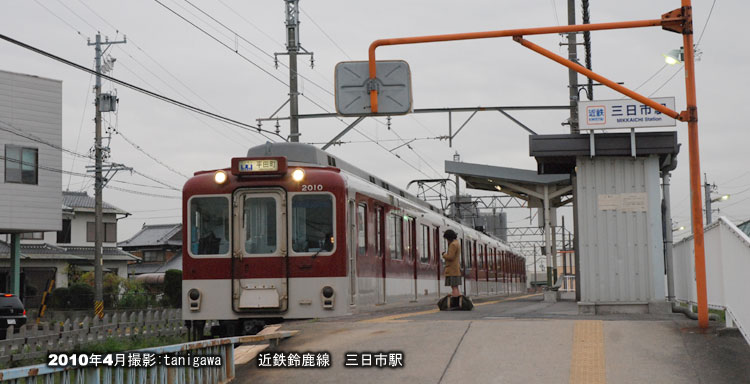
column 620, row 233
column 33, row 106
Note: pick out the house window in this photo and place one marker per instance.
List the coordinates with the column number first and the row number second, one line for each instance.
column 63, row 237
column 32, row 236
column 21, row 165
column 110, row 232
column 153, row 255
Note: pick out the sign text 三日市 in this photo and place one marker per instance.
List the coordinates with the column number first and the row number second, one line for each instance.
column 623, row 113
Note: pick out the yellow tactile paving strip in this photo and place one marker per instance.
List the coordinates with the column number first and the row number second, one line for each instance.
column 395, row 318
column 587, row 359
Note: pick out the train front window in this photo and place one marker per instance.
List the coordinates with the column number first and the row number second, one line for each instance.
column 209, row 225
column 260, row 225
column 312, row 223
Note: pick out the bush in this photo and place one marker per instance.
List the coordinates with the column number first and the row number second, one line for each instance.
column 81, row 296
column 136, row 296
column 111, row 286
column 60, row 298
column 173, row 288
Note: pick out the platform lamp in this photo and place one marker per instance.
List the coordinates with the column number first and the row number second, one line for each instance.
column 709, row 210
column 675, row 56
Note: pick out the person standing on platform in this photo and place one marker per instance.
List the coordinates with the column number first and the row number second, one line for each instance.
column 452, row 267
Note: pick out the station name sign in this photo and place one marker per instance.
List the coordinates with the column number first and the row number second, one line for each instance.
column 623, row 113
column 258, row 166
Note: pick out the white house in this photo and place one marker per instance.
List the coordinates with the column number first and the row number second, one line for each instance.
column 47, row 255
column 30, row 176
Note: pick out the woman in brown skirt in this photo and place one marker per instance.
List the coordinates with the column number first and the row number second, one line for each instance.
column 452, row 257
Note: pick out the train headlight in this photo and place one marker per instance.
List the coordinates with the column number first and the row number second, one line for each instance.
column 220, row 177
column 194, row 299
column 327, row 295
column 298, row 174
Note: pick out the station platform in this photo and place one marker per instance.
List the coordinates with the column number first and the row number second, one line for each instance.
column 517, row 339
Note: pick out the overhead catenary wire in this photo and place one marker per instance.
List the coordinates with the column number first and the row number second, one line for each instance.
column 222, row 43
column 255, row 64
column 152, row 157
column 155, row 95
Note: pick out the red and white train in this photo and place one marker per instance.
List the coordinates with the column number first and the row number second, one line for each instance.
column 292, row 232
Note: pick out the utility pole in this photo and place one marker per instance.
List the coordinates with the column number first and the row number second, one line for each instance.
column 707, row 196
column 99, row 182
column 293, row 48
column 535, row 279
column 573, row 75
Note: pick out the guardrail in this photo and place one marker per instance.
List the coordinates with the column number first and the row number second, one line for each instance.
column 727, row 264
column 158, row 373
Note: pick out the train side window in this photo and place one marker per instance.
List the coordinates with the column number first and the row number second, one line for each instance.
column 362, row 229
column 424, row 254
column 260, row 225
column 379, row 232
column 395, row 232
column 209, row 225
column 312, row 223
column 480, row 258
column 409, row 238
column 469, row 259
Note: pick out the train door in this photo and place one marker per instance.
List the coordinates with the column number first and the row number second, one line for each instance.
column 380, row 253
column 352, row 252
column 260, row 251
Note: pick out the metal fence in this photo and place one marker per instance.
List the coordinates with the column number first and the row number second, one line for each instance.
column 32, row 341
column 727, row 263
column 223, row 348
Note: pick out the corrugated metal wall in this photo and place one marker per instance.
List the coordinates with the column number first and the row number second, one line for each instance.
column 33, row 106
column 620, row 233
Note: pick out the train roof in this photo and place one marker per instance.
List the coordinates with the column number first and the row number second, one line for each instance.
column 306, row 154
column 311, row 155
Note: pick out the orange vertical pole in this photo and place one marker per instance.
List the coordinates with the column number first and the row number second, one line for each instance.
column 695, row 169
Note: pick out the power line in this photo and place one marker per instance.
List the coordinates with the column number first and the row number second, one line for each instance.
column 142, row 193
column 11, row 129
column 152, row 157
column 222, row 43
column 325, row 34
column 252, row 24
column 706, row 24
column 668, row 80
column 78, row 16
column 258, row 48
column 59, row 18
column 80, row 127
column 221, row 118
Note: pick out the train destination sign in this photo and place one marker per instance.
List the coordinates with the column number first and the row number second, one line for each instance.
column 254, row 166
column 623, row 113
column 270, row 165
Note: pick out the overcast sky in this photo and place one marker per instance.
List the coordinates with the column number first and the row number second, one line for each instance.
column 167, row 55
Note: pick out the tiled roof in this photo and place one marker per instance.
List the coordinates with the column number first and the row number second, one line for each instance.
column 83, row 200
column 155, row 235
column 109, row 253
column 53, row 252
column 141, row 268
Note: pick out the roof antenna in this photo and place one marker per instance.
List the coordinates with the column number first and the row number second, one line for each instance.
column 268, row 148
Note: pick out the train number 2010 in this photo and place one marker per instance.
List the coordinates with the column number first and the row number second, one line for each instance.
column 312, row 187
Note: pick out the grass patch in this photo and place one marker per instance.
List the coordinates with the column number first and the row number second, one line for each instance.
column 722, row 314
